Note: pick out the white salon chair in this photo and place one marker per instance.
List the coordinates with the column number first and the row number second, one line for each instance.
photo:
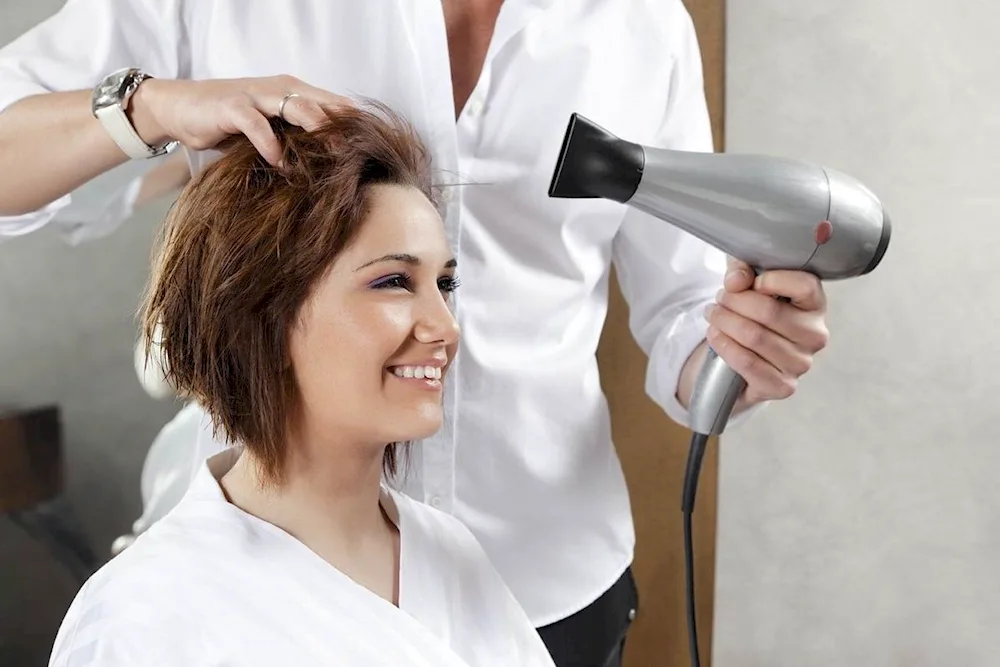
column 173, row 457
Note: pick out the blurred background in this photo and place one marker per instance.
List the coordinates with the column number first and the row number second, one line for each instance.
column 67, row 329
column 857, row 523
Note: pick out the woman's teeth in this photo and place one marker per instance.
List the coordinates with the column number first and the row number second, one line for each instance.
column 419, row 372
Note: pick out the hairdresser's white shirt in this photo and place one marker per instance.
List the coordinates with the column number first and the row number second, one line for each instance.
column 212, row 585
column 526, row 460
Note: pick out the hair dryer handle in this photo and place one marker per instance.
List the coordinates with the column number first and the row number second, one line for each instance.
column 714, row 395
column 716, row 391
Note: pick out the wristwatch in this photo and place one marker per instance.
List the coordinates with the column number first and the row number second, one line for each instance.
column 110, row 100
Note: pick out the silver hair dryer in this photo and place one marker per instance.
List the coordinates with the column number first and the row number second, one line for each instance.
column 770, row 212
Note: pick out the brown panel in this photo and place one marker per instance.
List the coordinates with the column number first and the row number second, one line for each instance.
column 653, row 449
column 30, row 458
column 710, row 22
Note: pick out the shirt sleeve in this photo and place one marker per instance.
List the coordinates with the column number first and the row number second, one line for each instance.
column 74, row 49
column 666, row 275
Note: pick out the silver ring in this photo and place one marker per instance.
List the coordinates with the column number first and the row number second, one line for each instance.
column 281, row 106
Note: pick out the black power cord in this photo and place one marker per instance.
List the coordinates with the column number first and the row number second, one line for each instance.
column 699, row 441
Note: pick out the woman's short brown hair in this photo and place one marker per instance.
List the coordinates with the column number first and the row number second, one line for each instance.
column 241, row 250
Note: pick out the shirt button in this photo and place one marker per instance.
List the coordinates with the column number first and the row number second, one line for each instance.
column 631, row 614
column 436, row 501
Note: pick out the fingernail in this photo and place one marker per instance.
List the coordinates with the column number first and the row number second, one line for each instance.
column 709, row 309
column 735, row 273
column 720, row 294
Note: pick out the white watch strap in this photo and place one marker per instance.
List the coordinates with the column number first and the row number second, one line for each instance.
column 117, row 124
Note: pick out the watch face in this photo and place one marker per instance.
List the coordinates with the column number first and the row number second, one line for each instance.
column 112, row 89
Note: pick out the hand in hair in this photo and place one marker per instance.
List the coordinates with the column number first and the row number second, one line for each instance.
column 203, row 114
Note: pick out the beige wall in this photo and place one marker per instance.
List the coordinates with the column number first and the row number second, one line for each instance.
column 859, row 522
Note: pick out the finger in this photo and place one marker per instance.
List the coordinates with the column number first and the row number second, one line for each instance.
column 803, row 289
column 285, row 84
column 303, row 112
column 764, row 381
column 269, row 92
column 252, row 123
column 326, row 99
column 772, row 348
column 806, row 329
column 739, row 275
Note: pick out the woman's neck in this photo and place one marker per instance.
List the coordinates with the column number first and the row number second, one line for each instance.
column 329, row 501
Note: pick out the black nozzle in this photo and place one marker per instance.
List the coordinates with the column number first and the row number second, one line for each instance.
column 883, row 244
column 593, row 163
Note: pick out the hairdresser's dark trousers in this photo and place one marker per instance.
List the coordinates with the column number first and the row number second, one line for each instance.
column 595, row 635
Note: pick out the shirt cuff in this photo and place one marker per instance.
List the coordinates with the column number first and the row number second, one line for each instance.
column 666, row 361
column 19, row 225
column 119, row 208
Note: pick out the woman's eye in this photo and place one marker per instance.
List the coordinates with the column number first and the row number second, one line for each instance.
column 448, row 284
column 392, row 282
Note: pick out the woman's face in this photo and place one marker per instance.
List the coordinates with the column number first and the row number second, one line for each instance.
column 376, row 336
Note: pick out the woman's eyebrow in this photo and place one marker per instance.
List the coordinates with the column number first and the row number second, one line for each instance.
column 393, row 257
column 406, row 258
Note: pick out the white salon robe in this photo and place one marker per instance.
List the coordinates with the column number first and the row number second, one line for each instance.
column 213, row 585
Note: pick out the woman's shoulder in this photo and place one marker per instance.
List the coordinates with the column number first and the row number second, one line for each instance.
column 121, row 614
column 153, row 570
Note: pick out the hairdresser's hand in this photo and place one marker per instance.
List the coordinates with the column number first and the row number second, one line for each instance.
column 769, row 342
column 202, row 114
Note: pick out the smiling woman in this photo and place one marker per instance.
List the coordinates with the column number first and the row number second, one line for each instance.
column 306, row 309
column 349, row 226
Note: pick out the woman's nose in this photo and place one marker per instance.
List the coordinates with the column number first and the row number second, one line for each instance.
column 437, row 323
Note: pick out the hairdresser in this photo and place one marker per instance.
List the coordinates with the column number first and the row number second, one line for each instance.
column 526, row 459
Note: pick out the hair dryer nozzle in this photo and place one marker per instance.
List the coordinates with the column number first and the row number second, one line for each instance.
column 593, row 163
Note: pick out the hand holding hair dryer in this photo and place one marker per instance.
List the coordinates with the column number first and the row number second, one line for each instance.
column 772, row 213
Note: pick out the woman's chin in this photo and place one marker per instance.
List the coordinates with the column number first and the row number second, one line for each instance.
column 420, row 424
